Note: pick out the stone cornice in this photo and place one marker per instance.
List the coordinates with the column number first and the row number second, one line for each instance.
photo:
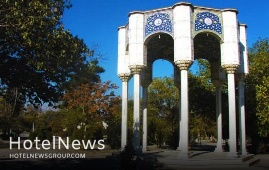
column 230, row 9
column 183, row 4
column 121, row 27
column 135, row 12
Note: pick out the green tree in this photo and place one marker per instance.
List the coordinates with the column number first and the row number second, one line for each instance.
column 257, row 95
column 114, row 127
column 38, row 56
column 163, row 111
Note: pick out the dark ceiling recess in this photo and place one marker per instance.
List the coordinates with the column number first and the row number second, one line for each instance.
column 207, row 46
column 160, row 46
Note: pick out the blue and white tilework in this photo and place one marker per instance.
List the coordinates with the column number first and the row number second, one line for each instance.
column 158, row 22
column 207, row 20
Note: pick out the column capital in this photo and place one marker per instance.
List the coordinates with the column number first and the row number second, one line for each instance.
column 230, row 68
column 183, row 64
column 125, row 77
column 136, row 69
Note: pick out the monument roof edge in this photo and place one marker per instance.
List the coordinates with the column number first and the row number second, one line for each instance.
column 207, row 8
column 230, row 9
column 136, row 12
column 243, row 24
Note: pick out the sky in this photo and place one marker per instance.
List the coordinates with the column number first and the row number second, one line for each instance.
column 97, row 23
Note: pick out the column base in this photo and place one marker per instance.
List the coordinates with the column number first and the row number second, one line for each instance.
column 244, row 153
column 232, row 155
column 183, row 155
column 138, row 151
column 144, row 149
column 218, row 149
column 178, row 149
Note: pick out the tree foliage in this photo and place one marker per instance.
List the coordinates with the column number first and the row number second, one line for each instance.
column 38, row 56
column 93, row 100
column 163, row 109
column 89, row 105
column 257, row 85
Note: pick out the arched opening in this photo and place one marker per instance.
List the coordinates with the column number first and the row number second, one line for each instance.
column 163, row 95
column 162, row 68
column 207, row 71
column 160, row 46
column 207, row 46
column 163, row 108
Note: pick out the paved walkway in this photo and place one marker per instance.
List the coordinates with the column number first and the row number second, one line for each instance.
column 110, row 159
column 104, row 159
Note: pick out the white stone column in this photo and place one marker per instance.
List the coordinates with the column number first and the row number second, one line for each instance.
column 180, row 122
column 242, row 72
column 242, row 124
column 230, row 61
column 146, row 79
column 145, row 116
column 184, row 118
column 124, row 114
column 177, row 84
column 183, row 57
column 136, row 70
column 218, row 85
column 230, row 69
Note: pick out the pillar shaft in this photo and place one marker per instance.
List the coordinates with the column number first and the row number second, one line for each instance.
column 183, row 147
column 136, row 70
column 136, row 124
column 179, row 119
column 184, row 121
column 145, row 112
column 230, row 69
column 242, row 126
column 219, row 119
column 232, row 115
column 124, row 115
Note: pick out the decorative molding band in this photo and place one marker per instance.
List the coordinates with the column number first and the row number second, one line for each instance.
column 125, row 77
column 136, row 69
column 183, row 64
column 230, row 68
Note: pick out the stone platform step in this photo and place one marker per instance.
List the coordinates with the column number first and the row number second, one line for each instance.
column 172, row 160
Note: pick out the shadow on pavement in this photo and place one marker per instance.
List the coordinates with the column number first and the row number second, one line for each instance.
column 148, row 163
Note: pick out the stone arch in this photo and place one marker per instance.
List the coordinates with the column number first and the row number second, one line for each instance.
column 159, row 45
column 207, row 45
